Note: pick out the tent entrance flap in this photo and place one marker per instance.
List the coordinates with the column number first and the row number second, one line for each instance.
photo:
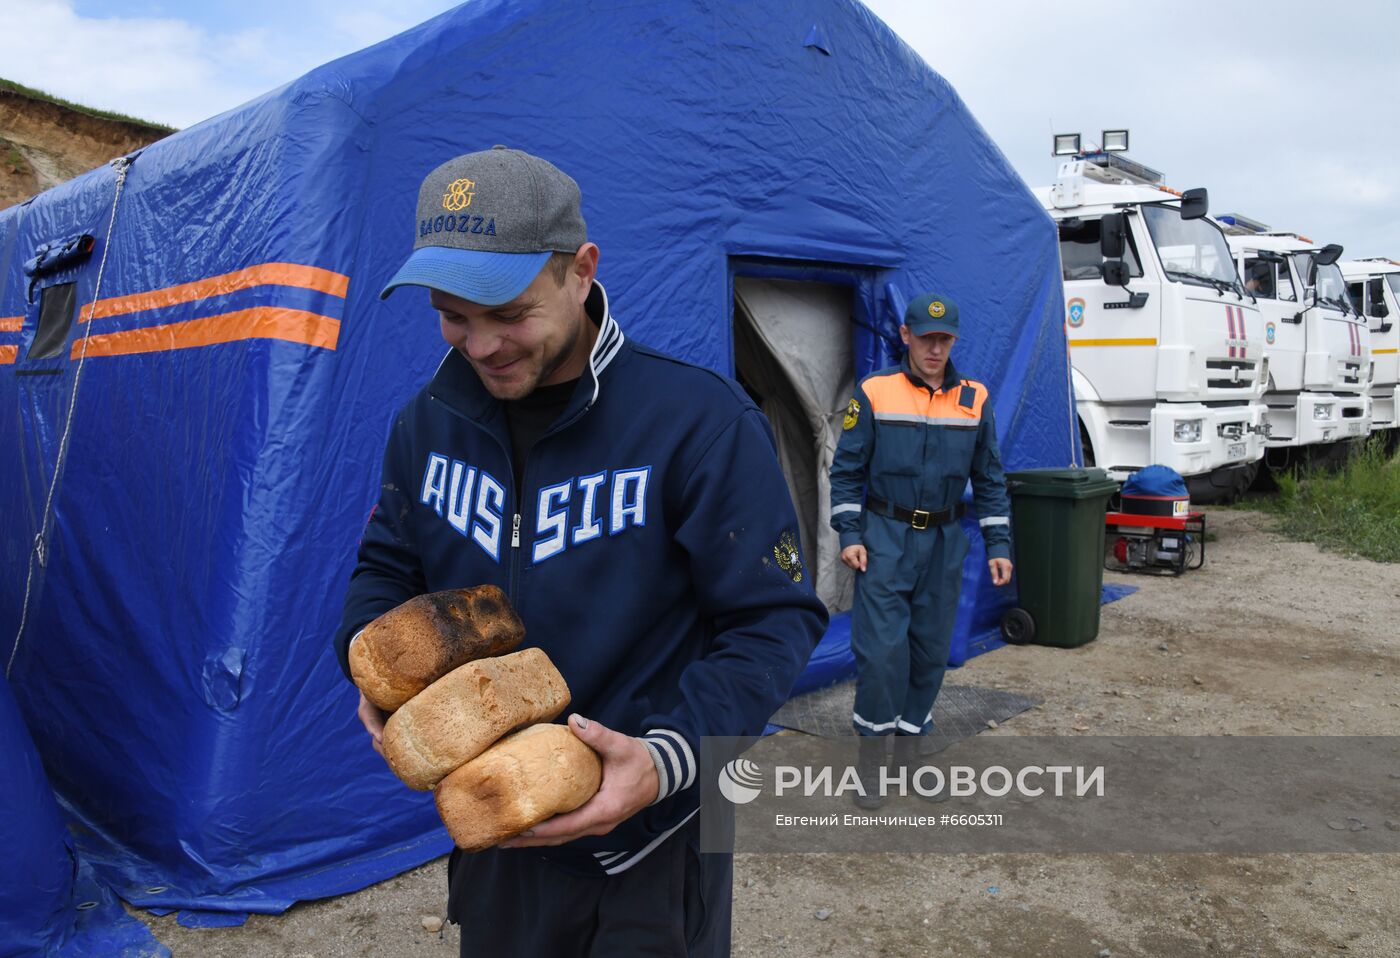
column 793, row 354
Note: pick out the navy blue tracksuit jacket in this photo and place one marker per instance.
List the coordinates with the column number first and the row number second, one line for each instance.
column 651, row 552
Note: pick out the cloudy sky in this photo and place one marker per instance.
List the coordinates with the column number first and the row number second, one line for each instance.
column 1287, row 111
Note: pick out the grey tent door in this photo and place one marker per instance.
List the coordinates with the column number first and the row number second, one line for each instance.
column 793, row 353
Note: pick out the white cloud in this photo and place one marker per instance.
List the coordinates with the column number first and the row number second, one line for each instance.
column 174, row 71
column 1284, row 111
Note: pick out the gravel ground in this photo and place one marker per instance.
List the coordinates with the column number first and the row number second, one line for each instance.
column 1271, row 638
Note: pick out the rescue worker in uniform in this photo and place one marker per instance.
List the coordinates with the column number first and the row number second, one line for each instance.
column 913, row 435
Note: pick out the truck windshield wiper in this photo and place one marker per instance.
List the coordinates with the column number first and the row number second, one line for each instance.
column 1186, row 277
column 1200, row 280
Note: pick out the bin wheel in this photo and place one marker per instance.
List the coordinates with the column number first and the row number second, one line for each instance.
column 1017, row 627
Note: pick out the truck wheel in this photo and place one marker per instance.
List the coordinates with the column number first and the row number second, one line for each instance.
column 1017, row 627
column 1086, row 446
column 1221, row 486
column 1244, row 478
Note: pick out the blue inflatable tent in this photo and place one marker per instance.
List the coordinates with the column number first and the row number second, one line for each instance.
column 51, row 905
column 197, row 376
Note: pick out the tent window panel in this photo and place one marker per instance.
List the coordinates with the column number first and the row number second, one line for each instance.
column 56, row 307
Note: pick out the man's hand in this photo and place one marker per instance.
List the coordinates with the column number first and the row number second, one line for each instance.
column 629, row 785
column 1001, row 571
column 854, row 557
column 373, row 718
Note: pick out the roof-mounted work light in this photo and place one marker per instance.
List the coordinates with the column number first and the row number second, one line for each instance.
column 1115, row 141
column 1066, row 144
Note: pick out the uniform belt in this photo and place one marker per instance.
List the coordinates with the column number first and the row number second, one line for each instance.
column 918, row 518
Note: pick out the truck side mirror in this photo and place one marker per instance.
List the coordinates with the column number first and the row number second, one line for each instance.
column 1195, row 203
column 1115, row 272
column 1380, row 310
column 1328, row 255
column 1113, row 235
column 1310, row 297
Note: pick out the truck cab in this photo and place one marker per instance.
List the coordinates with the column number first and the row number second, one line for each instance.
column 1318, row 346
column 1166, row 347
column 1374, row 286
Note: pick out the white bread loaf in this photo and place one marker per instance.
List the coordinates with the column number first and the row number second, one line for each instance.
column 409, row 648
column 460, row 715
column 523, row 779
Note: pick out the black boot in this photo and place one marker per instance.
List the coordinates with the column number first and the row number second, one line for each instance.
column 869, row 764
column 911, row 753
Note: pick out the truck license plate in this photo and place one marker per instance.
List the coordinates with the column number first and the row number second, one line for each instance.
column 1234, row 451
column 1353, row 429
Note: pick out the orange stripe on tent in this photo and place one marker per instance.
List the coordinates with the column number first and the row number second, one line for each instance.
column 266, row 274
column 266, row 322
column 8, row 354
column 11, row 324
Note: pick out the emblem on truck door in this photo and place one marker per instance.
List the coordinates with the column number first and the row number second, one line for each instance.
column 1076, row 312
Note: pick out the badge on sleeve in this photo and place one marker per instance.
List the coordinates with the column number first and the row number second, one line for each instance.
column 852, row 414
column 789, row 559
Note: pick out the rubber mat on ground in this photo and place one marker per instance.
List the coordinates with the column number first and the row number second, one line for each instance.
column 960, row 712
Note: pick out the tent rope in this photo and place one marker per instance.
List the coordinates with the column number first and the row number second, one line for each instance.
column 40, row 550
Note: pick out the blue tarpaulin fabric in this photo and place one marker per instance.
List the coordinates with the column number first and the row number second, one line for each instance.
column 239, row 374
column 36, row 885
column 51, row 903
column 1157, row 480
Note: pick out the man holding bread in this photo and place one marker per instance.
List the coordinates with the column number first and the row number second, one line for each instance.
column 631, row 509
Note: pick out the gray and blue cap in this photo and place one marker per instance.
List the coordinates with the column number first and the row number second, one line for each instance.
column 488, row 222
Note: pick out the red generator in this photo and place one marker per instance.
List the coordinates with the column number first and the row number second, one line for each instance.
column 1153, row 529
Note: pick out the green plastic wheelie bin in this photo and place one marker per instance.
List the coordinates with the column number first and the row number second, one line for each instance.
column 1057, row 518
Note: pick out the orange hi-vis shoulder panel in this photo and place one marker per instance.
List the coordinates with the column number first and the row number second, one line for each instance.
column 894, row 398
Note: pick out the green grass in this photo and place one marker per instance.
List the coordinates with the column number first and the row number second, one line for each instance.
column 1355, row 509
column 105, row 114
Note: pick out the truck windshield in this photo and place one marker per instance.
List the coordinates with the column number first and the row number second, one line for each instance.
column 1331, row 287
column 1393, row 281
column 1191, row 250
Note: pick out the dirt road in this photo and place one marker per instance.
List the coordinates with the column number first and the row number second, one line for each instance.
column 1271, row 638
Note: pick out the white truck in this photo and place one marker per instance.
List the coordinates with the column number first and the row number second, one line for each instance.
column 1318, row 347
column 1374, row 285
column 1166, row 347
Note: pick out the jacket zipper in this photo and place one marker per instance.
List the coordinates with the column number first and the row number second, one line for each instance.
column 513, row 580
column 514, row 591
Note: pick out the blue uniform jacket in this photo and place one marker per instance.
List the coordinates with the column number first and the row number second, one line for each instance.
column 917, row 447
column 651, row 553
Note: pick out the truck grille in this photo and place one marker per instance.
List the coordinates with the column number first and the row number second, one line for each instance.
column 1230, row 373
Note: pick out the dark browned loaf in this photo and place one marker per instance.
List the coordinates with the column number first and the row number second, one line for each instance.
column 409, row 648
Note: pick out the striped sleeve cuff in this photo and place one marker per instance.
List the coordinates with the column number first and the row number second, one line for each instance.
column 674, row 761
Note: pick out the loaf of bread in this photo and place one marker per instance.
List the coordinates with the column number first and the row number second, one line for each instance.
column 409, row 648
column 523, row 779
column 461, row 714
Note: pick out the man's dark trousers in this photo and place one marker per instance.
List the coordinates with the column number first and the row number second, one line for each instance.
column 516, row 904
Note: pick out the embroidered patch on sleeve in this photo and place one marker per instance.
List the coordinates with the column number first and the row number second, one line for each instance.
column 789, row 559
column 852, row 414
